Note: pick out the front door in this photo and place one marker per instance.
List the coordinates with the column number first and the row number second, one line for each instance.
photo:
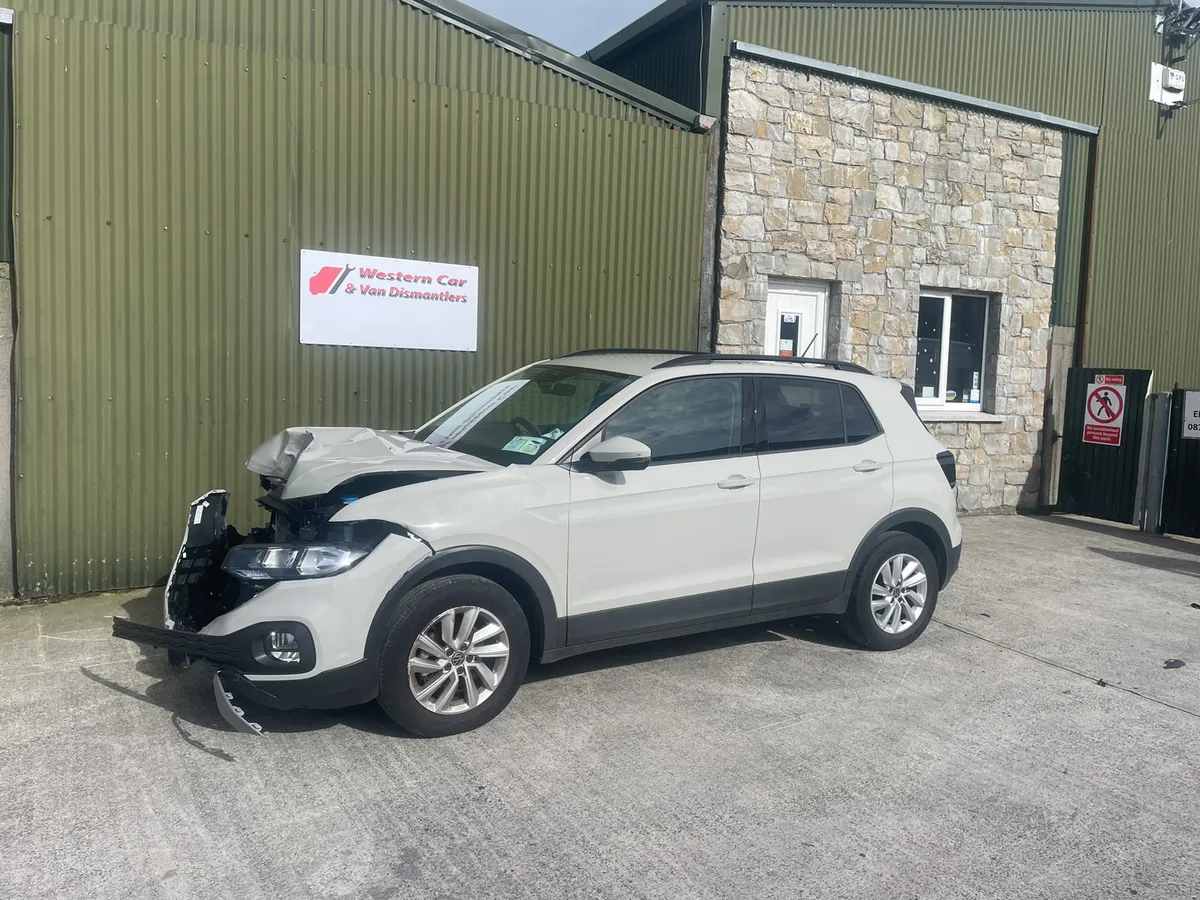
column 671, row 545
column 796, row 320
column 826, row 482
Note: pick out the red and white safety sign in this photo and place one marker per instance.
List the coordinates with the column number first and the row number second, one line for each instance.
column 1104, row 417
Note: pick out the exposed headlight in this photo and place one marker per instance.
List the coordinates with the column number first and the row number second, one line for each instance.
column 289, row 562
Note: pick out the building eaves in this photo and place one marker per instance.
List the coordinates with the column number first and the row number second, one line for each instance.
column 556, row 59
column 668, row 11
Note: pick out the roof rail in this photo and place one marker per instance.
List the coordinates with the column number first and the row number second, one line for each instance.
column 703, row 359
column 601, row 351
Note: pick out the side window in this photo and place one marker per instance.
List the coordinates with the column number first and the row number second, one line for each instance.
column 699, row 418
column 860, row 423
column 802, row 413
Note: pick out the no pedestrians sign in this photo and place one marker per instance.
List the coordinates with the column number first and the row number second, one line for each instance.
column 1104, row 417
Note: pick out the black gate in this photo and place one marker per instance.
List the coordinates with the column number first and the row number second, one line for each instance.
column 1100, row 479
column 1181, row 488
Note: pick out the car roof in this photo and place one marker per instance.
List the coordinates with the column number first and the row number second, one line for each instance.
column 643, row 363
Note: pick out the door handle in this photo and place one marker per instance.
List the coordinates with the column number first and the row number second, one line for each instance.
column 868, row 465
column 736, row 483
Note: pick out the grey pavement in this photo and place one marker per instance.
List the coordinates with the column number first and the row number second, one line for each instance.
column 985, row 761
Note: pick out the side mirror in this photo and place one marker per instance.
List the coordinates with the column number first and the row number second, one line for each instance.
column 619, row 454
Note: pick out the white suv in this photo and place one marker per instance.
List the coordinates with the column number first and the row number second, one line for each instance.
column 598, row 499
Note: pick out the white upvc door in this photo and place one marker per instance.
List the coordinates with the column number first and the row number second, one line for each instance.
column 797, row 320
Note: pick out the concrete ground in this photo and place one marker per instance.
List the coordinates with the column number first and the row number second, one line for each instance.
column 986, row 761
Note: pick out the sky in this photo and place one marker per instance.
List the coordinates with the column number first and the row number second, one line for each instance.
column 575, row 25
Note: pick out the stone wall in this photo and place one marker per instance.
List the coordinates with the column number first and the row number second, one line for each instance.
column 882, row 195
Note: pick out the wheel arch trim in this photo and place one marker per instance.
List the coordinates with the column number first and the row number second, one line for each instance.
column 458, row 559
column 904, row 520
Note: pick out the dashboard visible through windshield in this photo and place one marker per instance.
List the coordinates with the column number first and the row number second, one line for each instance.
column 515, row 421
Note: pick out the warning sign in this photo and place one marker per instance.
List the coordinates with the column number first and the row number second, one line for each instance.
column 1105, row 414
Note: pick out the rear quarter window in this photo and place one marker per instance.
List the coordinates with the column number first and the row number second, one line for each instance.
column 860, row 421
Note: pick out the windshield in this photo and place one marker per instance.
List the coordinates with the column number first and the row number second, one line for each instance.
column 516, row 420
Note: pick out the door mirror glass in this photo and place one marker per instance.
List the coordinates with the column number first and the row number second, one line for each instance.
column 618, row 454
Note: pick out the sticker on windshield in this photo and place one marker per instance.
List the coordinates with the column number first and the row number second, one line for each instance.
column 527, row 445
column 554, row 435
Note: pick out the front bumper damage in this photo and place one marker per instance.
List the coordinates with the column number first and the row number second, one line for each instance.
column 199, row 591
column 230, row 712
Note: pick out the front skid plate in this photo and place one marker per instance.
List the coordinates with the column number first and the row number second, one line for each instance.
column 234, row 715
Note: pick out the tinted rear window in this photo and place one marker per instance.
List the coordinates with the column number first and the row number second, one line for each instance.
column 802, row 413
column 860, row 423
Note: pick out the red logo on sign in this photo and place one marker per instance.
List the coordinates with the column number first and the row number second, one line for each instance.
column 328, row 280
column 1105, row 406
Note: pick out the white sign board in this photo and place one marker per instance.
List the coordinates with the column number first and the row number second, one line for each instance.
column 1104, row 416
column 348, row 300
column 1191, row 415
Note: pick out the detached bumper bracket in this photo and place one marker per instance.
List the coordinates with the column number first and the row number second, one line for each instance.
column 231, row 713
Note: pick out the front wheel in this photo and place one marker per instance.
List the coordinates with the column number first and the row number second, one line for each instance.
column 894, row 594
column 455, row 653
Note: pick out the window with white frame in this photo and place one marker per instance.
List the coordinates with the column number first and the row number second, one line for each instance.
column 951, row 349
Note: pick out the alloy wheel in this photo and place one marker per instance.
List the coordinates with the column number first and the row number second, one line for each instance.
column 898, row 593
column 458, row 660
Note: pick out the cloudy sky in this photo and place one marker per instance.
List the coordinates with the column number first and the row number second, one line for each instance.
column 576, row 25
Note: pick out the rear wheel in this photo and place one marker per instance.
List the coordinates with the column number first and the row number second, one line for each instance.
column 453, row 657
column 894, row 595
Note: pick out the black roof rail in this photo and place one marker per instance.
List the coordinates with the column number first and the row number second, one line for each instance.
column 601, row 351
column 702, row 359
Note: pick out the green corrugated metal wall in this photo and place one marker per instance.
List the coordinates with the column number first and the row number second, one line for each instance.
column 6, row 144
column 1091, row 67
column 164, row 187
column 385, row 36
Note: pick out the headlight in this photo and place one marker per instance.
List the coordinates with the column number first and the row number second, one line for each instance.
column 289, row 562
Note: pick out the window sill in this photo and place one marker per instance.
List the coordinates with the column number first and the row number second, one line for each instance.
column 937, row 414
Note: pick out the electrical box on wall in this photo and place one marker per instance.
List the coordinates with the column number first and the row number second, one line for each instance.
column 1167, row 85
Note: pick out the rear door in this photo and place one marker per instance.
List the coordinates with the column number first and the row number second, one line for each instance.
column 826, row 482
column 671, row 545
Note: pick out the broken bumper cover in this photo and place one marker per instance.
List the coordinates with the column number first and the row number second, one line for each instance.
column 243, row 650
column 243, row 653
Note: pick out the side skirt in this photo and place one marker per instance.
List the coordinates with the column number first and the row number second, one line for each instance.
column 837, row 606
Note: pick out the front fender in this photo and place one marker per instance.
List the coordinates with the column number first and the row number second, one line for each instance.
column 549, row 629
column 340, row 610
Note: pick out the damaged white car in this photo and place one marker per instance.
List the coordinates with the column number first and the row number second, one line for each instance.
column 585, row 502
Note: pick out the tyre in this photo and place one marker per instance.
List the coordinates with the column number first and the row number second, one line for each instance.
column 894, row 594
column 453, row 656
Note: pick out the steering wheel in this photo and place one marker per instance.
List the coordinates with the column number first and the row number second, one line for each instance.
column 521, row 422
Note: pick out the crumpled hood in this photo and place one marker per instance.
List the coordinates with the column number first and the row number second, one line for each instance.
column 314, row 461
